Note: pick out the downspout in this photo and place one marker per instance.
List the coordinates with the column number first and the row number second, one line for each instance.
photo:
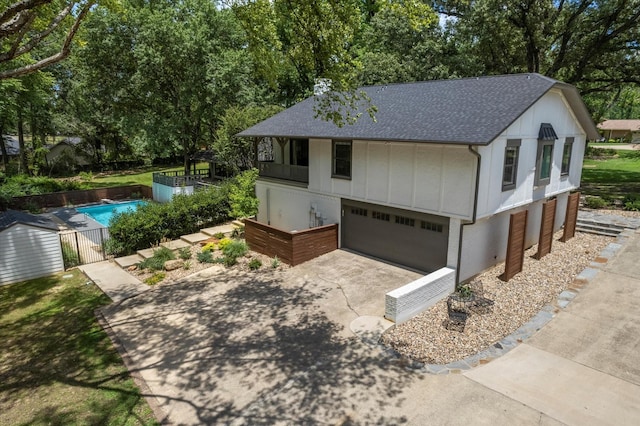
column 475, row 212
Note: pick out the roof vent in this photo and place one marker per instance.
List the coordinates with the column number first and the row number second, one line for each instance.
column 547, row 133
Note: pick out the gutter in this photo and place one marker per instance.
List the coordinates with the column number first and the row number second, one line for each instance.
column 475, row 211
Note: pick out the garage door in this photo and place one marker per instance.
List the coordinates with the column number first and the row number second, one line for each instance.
column 408, row 238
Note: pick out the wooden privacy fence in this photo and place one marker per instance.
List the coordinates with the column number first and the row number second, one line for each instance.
column 515, row 245
column 546, row 228
column 571, row 217
column 82, row 196
column 293, row 248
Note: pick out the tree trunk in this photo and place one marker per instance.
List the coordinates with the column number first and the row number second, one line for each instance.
column 24, row 164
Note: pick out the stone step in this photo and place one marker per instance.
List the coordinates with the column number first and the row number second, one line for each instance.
column 600, row 224
column 609, row 232
column 126, row 261
column 146, row 253
column 226, row 229
column 175, row 244
column 195, row 238
column 238, row 224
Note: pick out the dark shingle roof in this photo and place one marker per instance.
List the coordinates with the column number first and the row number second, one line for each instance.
column 465, row 111
column 12, row 217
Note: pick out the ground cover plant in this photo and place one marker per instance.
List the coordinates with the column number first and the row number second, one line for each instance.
column 611, row 176
column 57, row 365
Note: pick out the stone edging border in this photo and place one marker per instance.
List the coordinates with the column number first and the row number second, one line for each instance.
column 529, row 328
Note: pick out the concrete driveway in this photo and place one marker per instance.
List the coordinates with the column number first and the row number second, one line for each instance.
column 275, row 348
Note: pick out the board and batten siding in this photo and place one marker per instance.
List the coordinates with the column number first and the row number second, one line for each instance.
column 429, row 178
column 551, row 108
column 28, row 252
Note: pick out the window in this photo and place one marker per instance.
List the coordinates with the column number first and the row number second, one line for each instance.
column 380, row 216
column 405, row 221
column 299, row 152
column 430, row 226
column 358, row 211
column 341, row 160
column 510, row 170
column 566, row 156
column 544, row 162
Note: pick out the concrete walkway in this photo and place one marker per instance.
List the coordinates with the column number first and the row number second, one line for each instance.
column 225, row 347
column 113, row 280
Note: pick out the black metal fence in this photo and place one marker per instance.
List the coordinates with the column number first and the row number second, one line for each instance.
column 83, row 247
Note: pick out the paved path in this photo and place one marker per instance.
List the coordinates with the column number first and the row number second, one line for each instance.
column 113, row 280
column 263, row 348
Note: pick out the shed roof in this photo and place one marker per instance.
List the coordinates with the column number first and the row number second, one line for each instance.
column 631, row 125
column 12, row 145
column 14, row 217
column 470, row 111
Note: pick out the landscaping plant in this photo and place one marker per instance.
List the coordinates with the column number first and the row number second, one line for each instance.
column 156, row 262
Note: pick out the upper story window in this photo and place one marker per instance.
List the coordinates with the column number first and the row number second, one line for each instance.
column 544, row 160
column 566, row 156
column 299, row 152
column 341, row 159
column 510, row 168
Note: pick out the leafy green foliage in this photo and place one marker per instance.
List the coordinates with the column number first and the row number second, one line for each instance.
column 242, row 195
column 19, row 185
column 69, row 255
column 184, row 253
column 275, row 262
column 155, row 278
column 209, row 247
column 235, row 249
column 595, row 202
column 156, row 262
column 255, row 264
column 205, row 257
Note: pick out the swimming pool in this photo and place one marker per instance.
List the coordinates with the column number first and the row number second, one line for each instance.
column 102, row 213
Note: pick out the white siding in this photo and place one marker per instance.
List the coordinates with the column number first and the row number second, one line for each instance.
column 484, row 243
column 428, row 178
column 289, row 207
column 27, row 252
column 551, row 108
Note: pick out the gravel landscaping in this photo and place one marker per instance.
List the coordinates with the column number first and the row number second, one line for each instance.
column 424, row 338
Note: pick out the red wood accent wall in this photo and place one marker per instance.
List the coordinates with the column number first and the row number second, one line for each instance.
column 515, row 245
column 83, row 196
column 546, row 228
column 293, row 248
column 571, row 217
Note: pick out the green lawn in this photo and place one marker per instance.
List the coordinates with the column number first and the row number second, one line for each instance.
column 133, row 177
column 57, row 365
column 613, row 177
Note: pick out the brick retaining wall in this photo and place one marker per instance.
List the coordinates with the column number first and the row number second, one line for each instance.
column 82, row 196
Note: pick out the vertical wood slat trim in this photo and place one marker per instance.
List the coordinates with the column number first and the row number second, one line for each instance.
column 292, row 248
column 515, row 245
column 546, row 229
column 571, row 217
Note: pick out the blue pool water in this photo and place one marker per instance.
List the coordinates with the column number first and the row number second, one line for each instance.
column 102, row 213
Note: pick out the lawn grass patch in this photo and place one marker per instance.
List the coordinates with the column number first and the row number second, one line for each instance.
column 612, row 178
column 134, row 177
column 57, row 365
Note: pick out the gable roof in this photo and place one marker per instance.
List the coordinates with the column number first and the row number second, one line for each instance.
column 631, row 125
column 13, row 217
column 470, row 111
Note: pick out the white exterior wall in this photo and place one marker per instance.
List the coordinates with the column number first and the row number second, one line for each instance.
column 28, row 252
column 485, row 242
column 428, row 178
column 551, row 108
column 164, row 193
column 288, row 207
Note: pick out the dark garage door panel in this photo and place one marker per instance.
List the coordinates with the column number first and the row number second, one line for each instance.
column 404, row 243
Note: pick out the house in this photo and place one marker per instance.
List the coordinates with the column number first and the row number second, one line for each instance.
column 29, row 247
column 621, row 129
column 69, row 153
column 433, row 181
column 12, row 145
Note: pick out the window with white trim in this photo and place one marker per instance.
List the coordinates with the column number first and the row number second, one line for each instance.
column 510, row 167
column 341, row 160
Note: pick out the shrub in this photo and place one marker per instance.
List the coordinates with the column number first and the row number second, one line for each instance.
column 209, row 247
column 186, row 265
column 242, row 195
column 112, row 247
column 69, row 255
column 235, row 249
column 224, row 243
column 184, row 253
column 594, row 202
column 600, row 152
column 205, row 257
column 155, row 278
column 219, row 235
column 632, row 203
column 156, row 262
column 255, row 264
column 275, row 262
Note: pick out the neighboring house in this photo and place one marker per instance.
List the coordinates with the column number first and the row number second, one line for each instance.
column 69, row 152
column 29, row 247
column 12, row 145
column 433, row 181
column 621, row 129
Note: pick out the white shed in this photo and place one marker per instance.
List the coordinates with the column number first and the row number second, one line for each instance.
column 29, row 247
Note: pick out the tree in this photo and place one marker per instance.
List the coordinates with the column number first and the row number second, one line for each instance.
column 29, row 27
